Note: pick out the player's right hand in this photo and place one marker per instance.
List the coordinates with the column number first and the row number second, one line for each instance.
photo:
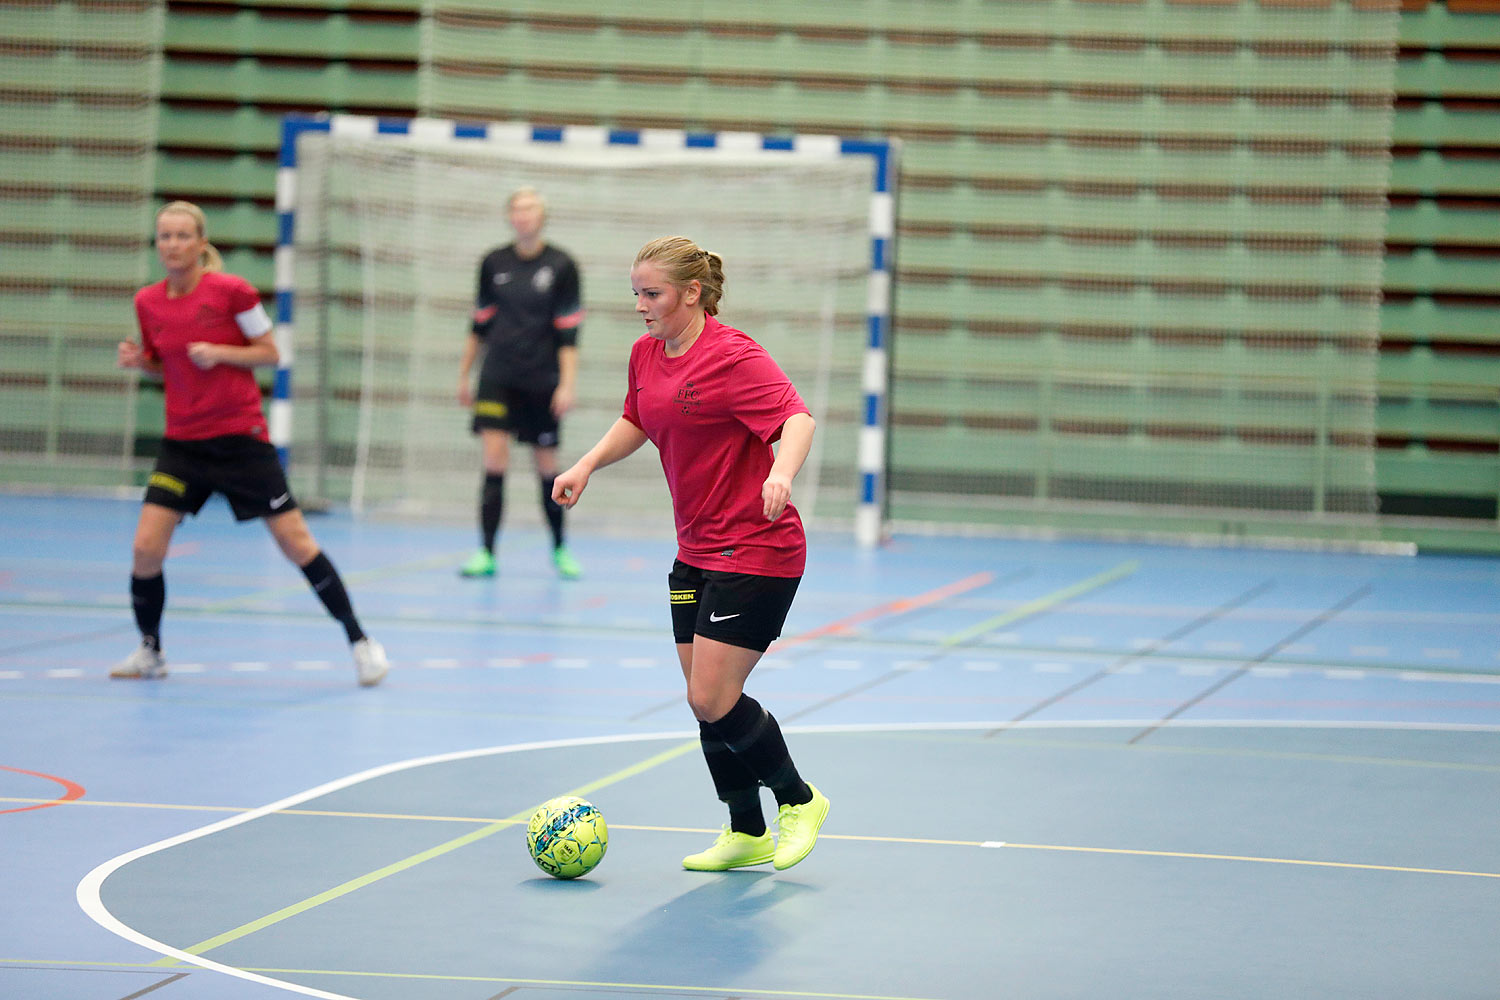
column 129, row 354
column 568, row 486
column 465, row 394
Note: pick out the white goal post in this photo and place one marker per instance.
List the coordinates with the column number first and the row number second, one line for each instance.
column 382, row 224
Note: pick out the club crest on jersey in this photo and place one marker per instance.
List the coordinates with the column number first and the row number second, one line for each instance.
column 687, row 399
column 543, row 278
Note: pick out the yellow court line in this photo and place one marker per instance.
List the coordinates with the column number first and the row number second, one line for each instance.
column 446, row 977
column 1044, row 603
column 664, row 987
column 396, row 867
column 1244, row 857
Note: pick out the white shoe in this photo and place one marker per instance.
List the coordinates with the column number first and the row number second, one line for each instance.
column 370, row 662
column 146, row 663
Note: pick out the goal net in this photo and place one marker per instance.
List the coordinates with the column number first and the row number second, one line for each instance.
column 389, row 231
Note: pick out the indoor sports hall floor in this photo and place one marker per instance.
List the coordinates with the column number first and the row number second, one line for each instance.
column 1058, row 770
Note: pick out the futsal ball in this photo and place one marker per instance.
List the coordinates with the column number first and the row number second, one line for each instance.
column 567, row 836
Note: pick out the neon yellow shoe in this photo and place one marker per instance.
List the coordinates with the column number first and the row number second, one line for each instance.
column 567, row 566
column 732, row 850
column 481, row 563
column 797, row 829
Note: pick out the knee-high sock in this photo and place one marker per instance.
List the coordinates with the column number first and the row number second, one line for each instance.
column 553, row 510
column 752, row 733
column 148, row 596
column 329, row 587
column 734, row 782
column 491, row 507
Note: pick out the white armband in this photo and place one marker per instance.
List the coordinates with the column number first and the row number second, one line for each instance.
column 253, row 321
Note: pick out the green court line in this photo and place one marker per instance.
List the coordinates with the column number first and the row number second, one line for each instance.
column 1041, row 604
column 410, row 862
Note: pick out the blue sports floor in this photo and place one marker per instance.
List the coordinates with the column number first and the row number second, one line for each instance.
column 1057, row 769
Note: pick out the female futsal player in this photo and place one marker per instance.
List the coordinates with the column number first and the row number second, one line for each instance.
column 713, row 402
column 202, row 331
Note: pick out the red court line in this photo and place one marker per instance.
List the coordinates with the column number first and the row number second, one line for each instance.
column 71, row 790
column 900, row 606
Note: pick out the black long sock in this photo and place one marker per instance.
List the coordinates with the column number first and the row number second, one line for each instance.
column 752, row 733
column 491, row 507
column 148, row 596
column 735, row 783
column 553, row 510
column 329, row 587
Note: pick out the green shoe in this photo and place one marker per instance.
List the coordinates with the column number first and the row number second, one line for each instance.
column 731, row 850
column 567, row 566
column 797, row 829
column 481, row 563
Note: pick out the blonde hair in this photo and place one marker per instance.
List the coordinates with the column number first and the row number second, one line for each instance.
column 684, row 261
column 527, row 191
column 210, row 259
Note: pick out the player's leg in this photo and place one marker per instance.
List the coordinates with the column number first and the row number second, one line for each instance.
column 538, row 426
column 492, row 422
column 546, row 470
column 148, row 590
column 295, row 539
column 175, row 488
column 250, row 476
column 745, row 841
column 739, row 615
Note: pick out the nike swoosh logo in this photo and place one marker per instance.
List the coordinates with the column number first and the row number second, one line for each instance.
column 723, row 618
column 276, row 504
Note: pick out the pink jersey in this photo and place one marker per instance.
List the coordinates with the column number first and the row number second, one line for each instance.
column 202, row 404
column 713, row 413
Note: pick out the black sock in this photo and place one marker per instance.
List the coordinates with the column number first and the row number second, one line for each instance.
column 491, row 506
column 148, row 596
column 329, row 587
column 752, row 733
column 737, row 787
column 553, row 510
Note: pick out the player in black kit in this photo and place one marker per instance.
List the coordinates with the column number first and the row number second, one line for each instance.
column 526, row 318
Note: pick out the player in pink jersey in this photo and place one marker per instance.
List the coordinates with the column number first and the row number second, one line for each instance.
column 713, row 402
column 202, row 332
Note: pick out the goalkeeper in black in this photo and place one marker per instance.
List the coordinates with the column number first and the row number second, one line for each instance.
column 526, row 318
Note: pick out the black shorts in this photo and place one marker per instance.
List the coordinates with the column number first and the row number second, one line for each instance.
column 740, row 609
column 526, row 414
column 245, row 469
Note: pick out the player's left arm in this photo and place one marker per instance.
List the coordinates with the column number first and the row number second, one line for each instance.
column 566, row 393
column 796, row 442
column 259, row 349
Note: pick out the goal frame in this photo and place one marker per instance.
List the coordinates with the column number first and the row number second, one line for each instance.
column 870, row 515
